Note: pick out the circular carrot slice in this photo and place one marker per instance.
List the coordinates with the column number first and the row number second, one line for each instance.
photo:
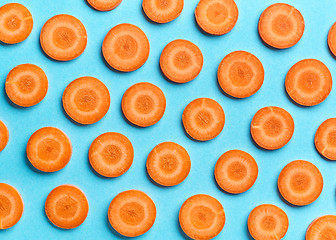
column 181, row 61
column 143, row 104
column 132, row 213
column 111, row 154
column 236, row 171
column 86, row 100
column 322, row 228
column 281, row 25
column 126, row 47
column 325, row 139
column 49, row 149
column 332, row 39
column 104, row 5
column 162, row 11
column 11, row 206
column 272, row 127
column 66, row 206
column 16, row 23
column 268, row 222
column 168, row 164
column 216, row 17
column 203, row 119
column 4, row 136
column 63, row 37
column 202, row 217
column 240, row 74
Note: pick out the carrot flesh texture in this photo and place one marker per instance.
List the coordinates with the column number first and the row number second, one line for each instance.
column 104, row 5
column 325, row 139
column 4, row 135
column 322, row 228
column 332, row 39
column 162, row 11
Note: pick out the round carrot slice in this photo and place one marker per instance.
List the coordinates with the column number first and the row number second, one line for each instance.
column 4, row 136
column 181, row 61
column 203, row 119
column 66, row 206
column 332, row 39
column 143, row 104
column 322, row 228
column 268, row 222
column 325, row 139
column 162, row 11
column 272, row 127
column 216, row 17
column 63, row 37
column 281, row 25
column 11, row 206
column 236, row 171
column 240, row 74
column 49, row 149
column 202, row 217
column 111, row 154
column 16, row 23
column 104, row 5
column 86, row 100
column 126, row 47
column 132, row 213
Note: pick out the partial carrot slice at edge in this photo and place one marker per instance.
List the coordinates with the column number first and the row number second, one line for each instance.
column 104, row 5
column 4, row 135
column 162, row 11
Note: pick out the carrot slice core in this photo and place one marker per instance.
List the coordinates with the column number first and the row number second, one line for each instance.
column 325, row 139
column 322, row 228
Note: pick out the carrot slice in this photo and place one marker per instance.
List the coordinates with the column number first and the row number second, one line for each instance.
column 86, row 100
column 66, row 206
column 268, row 221
column 162, row 11
column 325, row 139
column 104, row 5
column 16, row 23
column 272, row 127
column 63, row 37
column 49, row 149
column 281, row 25
column 216, row 17
column 111, row 154
column 11, row 206
column 332, row 39
column 202, row 217
column 203, row 119
column 143, row 104
column 4, row 136
column 132, row 213
column 236, row 171
column 126, row 47
column 322, row 228
column 240, row 74
column 181, row 61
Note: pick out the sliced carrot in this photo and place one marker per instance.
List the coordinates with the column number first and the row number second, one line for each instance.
column 272, row 127
column 66, row 206
column 4, row 136
column 49, row 149
column 203, row 119
column 132, row 213
column 268, row 222
column 86, row 100
column 126, row 47
column 104, row 5
column 202, row 217
column 236, row 171
column 162, row 11
column 16, row 23
column 240, row 74
column 332, row 39
column 143, row 104
column 322, row 228
column 181, row 61
column 325, row 139
column 63, row 37
column 111, row 154
column 216, row 17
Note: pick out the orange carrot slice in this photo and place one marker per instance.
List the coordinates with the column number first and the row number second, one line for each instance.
column 322, row 228
column 162, row 11
column 236, row 171
column 11, row 206
column 325, row 139
column 16, row 23
column 240, row 74
column 66, row 206
column 268, row 222
column 272, row 127
column 63, row 37
column 126, row 47
column 132, row 213
column 203, row 119
column 86, row 100
column 4, row 136
column 216, row 17
column 26, row 85
column 49, row 149
column 143, row 104
column 202, row 217
column 111, row 154
column 168, row 164
column 181, row 61
column 332, row 39
column 104, row 5
column 281, row 25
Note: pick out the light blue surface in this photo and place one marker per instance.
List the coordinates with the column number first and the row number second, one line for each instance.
column 22, row 122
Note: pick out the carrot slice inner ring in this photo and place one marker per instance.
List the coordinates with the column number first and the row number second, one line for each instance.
column 86, row 99
column 5, row 206
column 64, row 37
column 300, row 182
column 163, row 4
column 13, row 22
column 240, row 74
column 132, row 213
column 66, row 207
column 268, row 223
column 202, row 217
column 309, row 81
column 282, row 25
column 49, row 150
column 331, row 139
column 126, row 47
column 273, row 126
column 217, row 13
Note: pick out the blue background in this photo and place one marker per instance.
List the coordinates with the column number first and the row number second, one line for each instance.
column 34, row 186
